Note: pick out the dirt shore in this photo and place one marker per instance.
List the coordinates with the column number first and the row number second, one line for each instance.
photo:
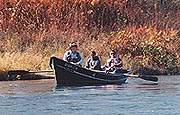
column 5, row 77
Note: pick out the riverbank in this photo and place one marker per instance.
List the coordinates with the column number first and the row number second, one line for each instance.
column 148, row 43
column 5, row 77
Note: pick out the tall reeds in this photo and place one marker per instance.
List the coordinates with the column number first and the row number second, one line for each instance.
column 146, row 33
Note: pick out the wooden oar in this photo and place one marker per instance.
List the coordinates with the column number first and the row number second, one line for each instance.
column 22, row 72
column 145, row 77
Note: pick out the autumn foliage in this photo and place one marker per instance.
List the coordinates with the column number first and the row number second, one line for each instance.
column 144, row 32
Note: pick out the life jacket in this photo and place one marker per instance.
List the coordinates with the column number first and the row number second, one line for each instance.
column 113, row 61
column 75, row 59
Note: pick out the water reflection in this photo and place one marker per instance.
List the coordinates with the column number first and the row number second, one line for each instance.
column 164, row 83
column 26, row 87
column 48, row 85
column 137, row 97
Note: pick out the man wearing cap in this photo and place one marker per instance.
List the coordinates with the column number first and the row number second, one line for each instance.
column 93, row 62
column 114, row 62
column 72, row 55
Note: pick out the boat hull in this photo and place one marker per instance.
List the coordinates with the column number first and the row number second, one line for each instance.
column 68, row 74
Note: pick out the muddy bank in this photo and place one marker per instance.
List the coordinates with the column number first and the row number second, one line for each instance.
column 5, row 77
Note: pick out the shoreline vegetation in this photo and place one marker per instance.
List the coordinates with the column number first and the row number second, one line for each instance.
column 146, row 34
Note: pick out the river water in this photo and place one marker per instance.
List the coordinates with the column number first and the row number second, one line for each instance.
column 137, row 97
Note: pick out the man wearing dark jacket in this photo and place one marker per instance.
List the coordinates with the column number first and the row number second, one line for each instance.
column 93, row 62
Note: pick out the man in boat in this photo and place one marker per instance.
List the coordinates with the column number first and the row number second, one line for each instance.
column 72, row 55
column 93, row 63
column 113, row 63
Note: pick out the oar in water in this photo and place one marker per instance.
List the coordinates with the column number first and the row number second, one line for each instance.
column 22, row 72
column 145, row 77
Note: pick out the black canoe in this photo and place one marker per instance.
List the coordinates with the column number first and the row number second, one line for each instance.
column 68, row 74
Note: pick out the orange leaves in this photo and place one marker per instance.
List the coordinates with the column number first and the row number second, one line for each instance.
column 160, row 47
column 93, row 2
column 142, row 36
column 170, row 35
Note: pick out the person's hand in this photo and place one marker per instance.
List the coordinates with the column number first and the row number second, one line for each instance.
column 91, row 68
column 112, row 66
column 78, row 64
column 73, row 63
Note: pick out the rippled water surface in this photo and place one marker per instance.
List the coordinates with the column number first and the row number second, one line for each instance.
column 137, row 97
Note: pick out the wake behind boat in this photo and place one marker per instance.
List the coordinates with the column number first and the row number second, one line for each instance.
column 68, row 74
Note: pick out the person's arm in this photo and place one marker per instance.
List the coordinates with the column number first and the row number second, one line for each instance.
column 118, row 63
column 65, row 57
column 88, row 63
column 107, row 64
column 97, row 63
column 81, row 60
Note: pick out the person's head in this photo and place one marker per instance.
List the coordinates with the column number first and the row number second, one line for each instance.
column 73, row 46
column 112, row 53
column 93, row 53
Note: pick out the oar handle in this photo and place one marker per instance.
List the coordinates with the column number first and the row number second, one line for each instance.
column 145, row 77
column 41, row 71
column 22, row 72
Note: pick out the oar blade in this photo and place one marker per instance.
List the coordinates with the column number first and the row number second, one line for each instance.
column 148, row 77
column 17, row 72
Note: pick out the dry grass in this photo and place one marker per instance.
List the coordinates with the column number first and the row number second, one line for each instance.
column 146, row 33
